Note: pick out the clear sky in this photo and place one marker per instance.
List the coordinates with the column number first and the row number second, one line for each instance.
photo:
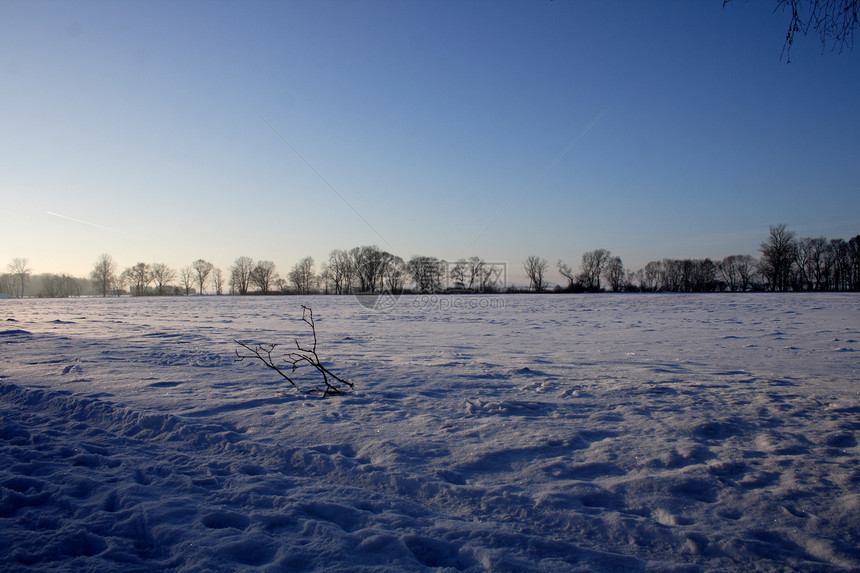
column 164, row 132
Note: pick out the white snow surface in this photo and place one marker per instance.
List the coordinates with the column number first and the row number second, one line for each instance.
column 507, row 433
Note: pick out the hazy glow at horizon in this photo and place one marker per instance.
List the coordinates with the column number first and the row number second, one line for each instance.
column 155, row 132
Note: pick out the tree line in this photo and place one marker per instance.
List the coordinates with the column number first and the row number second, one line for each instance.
column 786, row 263
column 365, row 269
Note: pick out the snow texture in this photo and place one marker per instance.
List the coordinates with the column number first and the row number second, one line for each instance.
column 510, row 433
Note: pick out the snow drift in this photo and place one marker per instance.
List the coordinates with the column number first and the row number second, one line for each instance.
column 523, row 433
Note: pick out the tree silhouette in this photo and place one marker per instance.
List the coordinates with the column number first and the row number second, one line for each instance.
column 162, row 275
column 834, row 21
column 103, row 274
column 536, row 268
column 593, row 263
column 20, row 269
column 202, row 269
column 778, row 255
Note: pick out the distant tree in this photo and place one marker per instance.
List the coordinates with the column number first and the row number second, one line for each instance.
column 652, row 276
column 614, row 274
column 471, row 274
column 202, row 269
column 138, row 277
column 58, row 286
column 698, row 275
column 263, row 275
column 568, row 273
column 162, row 276
column 746, row 268
column 840, row 264
column 854, row 256
column 120, row 283
column 593, row 263
column 218, row 281
column 103, row 274
column 394, row 274
column 536, row 268
column 810, row 262
column 672, row 275
column 458, row 273
column 707, row 275
column 734, row 272
column 7, row 284
column 302, row 276
column 341, row 271
column 19, row 269
column 368, row 263
column 427, row 273
column 480, row 274
column 324, row 278
column 778, row 255
column 186, row 279
column 240, row 275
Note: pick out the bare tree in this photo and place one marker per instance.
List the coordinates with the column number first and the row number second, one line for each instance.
column 58, row 286
column 729, row 274
column 368, row 262
column 536, row 268
column 394, row 275
column 139, row 276
column 673, row 275
column 302, row 276
column 186, row 279
column 810, row 261
column 472, row 274
column 593, row 263
column 840, row 264
column 778, row 255
column 103, row 274
column 264, row 275
column 340, row 271
column 119, row 284
column 240, row 275
column 458, row 273
column 480, row 274
column 834, row 21
column 854, row 255
column 614, row 274
column 21, row 271
column 202, row 269
column 218, row 281
column 7, row 284
column 162, row 275
column 746, row 266
column 427, row 273
column 568, row 273
column 652, row 276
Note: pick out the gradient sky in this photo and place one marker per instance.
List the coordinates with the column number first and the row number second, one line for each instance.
column 171, row 131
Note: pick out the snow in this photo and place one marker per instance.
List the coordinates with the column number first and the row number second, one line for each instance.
column 508, row 433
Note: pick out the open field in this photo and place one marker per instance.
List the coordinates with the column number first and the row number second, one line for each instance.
column 509, row 433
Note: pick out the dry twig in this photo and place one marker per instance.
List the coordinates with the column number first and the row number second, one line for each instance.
column 296, row 358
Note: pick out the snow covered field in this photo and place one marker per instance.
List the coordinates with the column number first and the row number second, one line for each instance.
column 510, row 433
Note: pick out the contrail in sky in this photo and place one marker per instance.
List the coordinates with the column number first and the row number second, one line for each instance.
column 324, row 180
column 541, row 174
column 97, row 226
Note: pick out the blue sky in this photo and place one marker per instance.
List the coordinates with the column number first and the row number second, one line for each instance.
column 172, row 131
